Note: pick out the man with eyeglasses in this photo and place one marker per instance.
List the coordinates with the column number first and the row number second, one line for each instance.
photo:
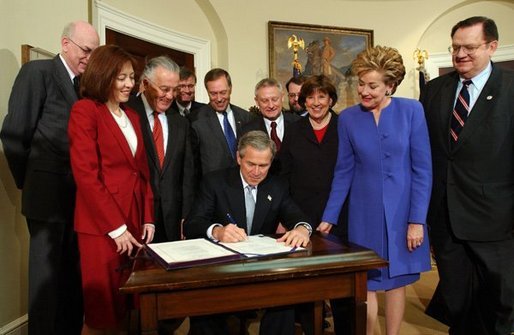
column 470, row 116
column 294, row 86
column 217, row 126
column 35, row 141
column 184, row 102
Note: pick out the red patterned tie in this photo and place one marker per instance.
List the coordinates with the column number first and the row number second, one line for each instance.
column 274, row 135
column 460, row 111
column 158, row 137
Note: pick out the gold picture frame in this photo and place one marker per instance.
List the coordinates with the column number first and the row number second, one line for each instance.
column 296, row 47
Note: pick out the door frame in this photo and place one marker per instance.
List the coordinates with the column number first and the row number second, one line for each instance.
column 105, row 16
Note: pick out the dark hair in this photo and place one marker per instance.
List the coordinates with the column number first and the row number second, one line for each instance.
column 488, row 27
column 215, row 74
column 185, row 73
column 296, row 80
column 103, row 67
column 317, row 83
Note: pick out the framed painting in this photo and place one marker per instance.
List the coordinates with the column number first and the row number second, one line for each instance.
column 305, row 49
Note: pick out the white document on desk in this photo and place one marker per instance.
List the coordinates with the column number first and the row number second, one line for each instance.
column 260, row 245
column 188, row 250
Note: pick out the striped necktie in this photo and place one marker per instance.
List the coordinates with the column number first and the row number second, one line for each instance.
column 460, row 111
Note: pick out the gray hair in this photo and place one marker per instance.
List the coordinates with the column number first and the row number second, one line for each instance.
column 268, row 82
column 162, row 61
column 69, row 30
column 258, row 140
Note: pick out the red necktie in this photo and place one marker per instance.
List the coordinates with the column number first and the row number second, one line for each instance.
column 274, row 135
column 460, row 111
column 158, row 137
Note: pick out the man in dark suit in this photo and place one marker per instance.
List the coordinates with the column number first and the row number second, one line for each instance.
column 216, row 126
column 184, row 102
column 35, row 141
column 173, row 180
column 224, row 198
column 294, row 86
column 269, row 95
column 471, row 213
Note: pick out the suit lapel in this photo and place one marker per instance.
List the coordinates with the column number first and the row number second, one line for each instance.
column 171, row 146
column 138, row 105
column 239, row 121
column 63, row 81
column 116, row 131
column 236, row 198
column 213, row 123
column 448, row 91
column 262, row 206
column 482, row 108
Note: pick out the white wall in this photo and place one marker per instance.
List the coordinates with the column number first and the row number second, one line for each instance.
column 238, row 33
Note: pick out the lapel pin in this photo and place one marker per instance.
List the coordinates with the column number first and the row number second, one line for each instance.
column 489, row 97
column 269, row 197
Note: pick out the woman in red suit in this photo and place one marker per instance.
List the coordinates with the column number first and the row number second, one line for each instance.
column 114, row 197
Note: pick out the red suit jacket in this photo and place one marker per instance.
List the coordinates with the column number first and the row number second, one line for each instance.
column 110, row 180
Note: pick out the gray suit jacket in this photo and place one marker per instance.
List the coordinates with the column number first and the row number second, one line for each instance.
column 209, row 143
column 477, row 173
column 173, row 185
column 35, row 140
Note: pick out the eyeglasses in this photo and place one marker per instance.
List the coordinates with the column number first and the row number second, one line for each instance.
column 164, row 89
column 468, row 49
column 293, row 95
column 86, row 51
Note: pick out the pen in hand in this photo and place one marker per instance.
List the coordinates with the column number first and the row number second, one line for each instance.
column 231, row 220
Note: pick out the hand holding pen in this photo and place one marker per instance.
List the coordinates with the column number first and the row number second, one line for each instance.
column 229, row 233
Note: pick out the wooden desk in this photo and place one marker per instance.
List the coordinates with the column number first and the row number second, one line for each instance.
column 329, row 269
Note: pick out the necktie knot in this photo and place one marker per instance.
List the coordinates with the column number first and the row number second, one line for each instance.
column 273, row 125
column 467, row 83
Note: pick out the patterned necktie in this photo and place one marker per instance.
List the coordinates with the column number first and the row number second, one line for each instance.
column 274, row 135
column 158, row 138
column 250, row 208
column 76, row 85
column 460, row 111
column 229, row 135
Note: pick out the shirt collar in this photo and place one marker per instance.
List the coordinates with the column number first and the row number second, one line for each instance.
column 70, row 73
column 480, row 79
column 279, row 120
column 244, row 181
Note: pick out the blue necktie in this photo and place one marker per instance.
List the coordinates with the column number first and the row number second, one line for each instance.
column 460, row 111
column 229, row 135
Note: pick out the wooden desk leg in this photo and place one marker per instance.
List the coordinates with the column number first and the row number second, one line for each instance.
column 318, row 317
column 148, row 316
column 361, row 308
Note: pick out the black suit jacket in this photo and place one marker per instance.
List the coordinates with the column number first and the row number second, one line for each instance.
column 309, row 168
column 194, row 106
column 173, row 184
column 222, row 192
column 209, row 144
column 35, row 140
column 258, row 124
column 476, row 175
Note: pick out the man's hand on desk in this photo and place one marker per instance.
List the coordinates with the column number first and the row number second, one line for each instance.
column 298, row 237
column 229, row 233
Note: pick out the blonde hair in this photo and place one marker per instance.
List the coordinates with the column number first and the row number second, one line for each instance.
column 384, row 60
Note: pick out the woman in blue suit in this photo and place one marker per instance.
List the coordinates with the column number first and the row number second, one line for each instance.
column 384, row 167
